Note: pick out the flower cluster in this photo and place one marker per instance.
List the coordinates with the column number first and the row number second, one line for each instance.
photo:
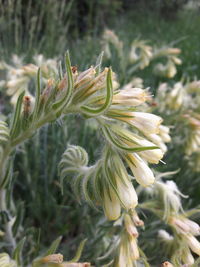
column 167, row 206
column 128, row 251
column 180, row 104
column 140, row 54
column 169, row 69
column 126, row 134
column 19, row 76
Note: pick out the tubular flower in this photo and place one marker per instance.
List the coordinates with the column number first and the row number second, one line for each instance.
column 6, row 261
column 136, row 220
column 109, row 37
column 152, row 156
column 127, row 139
column 141, row 52
column 130, row 97
column 142, row 173
column 165, row 236
column 145, row 122
column 184, row 225
column 129, row 226
column 127, row 193
column 188, row 258
column 193, row 243
column 128, row 251
column 135, row 82
column 164, row 133
column 111, row 205
column 176, row 96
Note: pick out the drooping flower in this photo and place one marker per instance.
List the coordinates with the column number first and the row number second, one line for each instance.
column 142, row 173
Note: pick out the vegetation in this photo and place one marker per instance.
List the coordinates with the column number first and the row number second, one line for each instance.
column 81, row 135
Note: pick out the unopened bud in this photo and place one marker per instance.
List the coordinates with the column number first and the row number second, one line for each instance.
column 54, row 258
column 130, row 227
column 167, row 264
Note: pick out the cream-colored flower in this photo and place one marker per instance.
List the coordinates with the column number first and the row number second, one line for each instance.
column 127, row 193
column 136, row 82
column 142, row 173
column 134, row 251
column 6, row 261
column 129, row 226
column 130, row 97
column 176, row 96
column 187, row 258
column 193, row 243
column 165, row 236
column 158, row 141
column 111, row 205
column 152, row 155
column 145, row 122
column 164, row 133
column 137, row 221
column 184, row 225
column 53, row 258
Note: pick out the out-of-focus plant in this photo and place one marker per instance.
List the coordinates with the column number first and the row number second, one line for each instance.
column 180, row 104
column 19, row 76
column 139, row 56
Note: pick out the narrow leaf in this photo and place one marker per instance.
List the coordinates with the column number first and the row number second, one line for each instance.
column 109, row 89
column 53, row 246
column 17, row 254
column 15, row 124
column 79, row 251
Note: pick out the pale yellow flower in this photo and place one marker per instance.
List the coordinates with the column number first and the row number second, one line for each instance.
column 142, row 173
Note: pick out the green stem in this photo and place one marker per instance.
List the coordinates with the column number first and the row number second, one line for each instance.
column 9, row 238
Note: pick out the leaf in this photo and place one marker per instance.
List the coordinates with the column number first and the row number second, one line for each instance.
column 99, row 62
column 16, row 119
column 53, row 246
column 60, row 104
column 130, row 149
column 17, row 254
column 37, row 96
column 109, row 96
column 19, row 218
column 79, row 251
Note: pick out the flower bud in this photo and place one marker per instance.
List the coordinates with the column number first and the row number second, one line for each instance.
column 137, row 221
column 134, row 248
column 165, row 236
column 130, row 227
column 167, row 264
column 53, row 258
